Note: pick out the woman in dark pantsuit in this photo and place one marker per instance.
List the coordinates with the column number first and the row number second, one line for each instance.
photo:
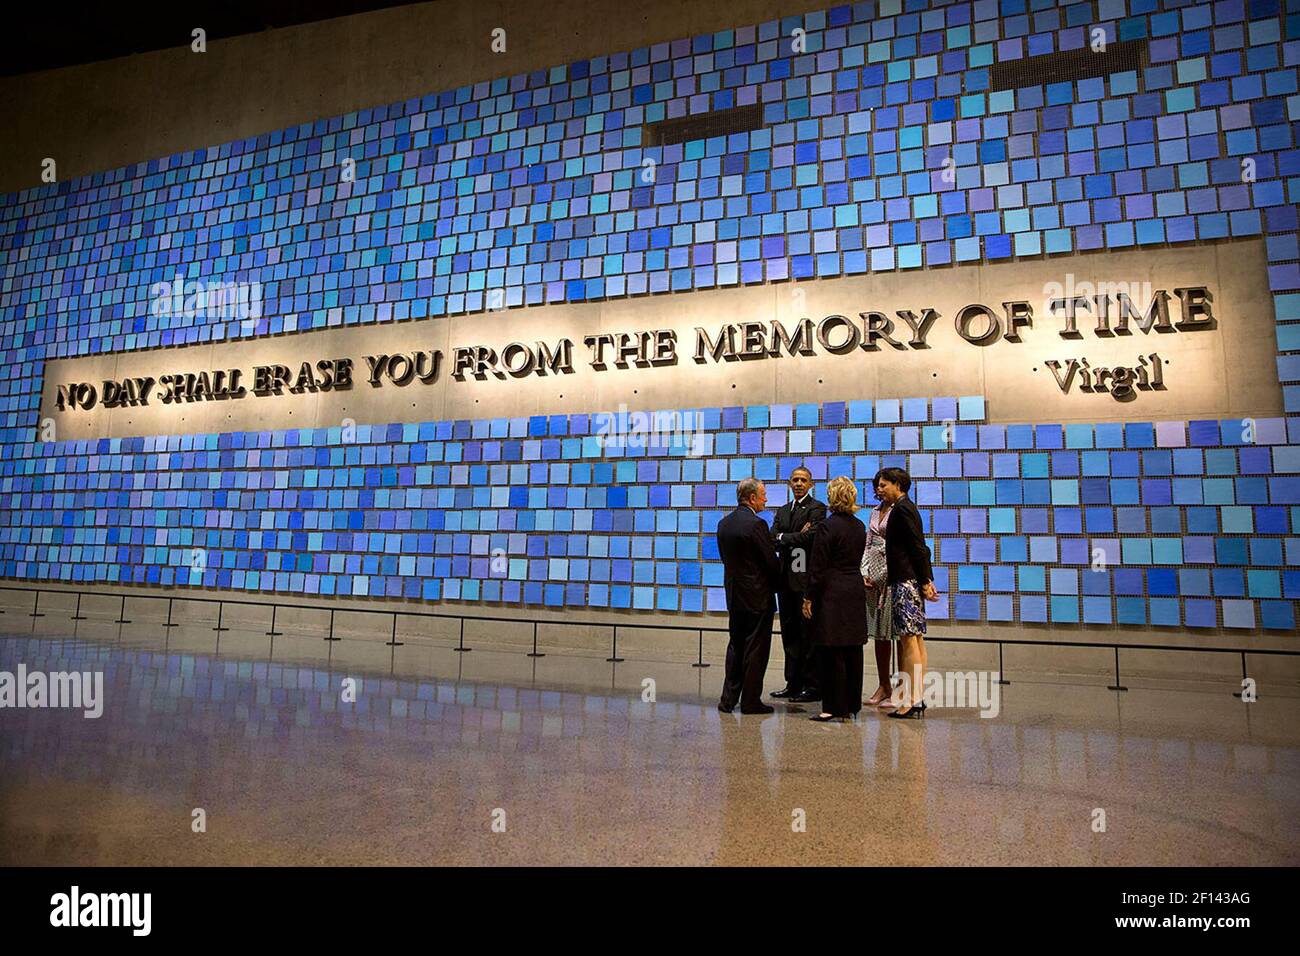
column 836, row 601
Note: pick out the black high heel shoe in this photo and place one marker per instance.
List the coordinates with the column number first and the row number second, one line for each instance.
column 916, row 711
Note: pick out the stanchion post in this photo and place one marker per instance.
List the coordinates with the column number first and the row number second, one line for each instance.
column 121, row 614
column 36, row 607
column 77, row 615
column 273, row 632
column 461, row 648
column 1238, row 693
column 168, row 623
column 221, row 607
column 700, row 655
column 613, row 655
column 1002, row 671
column 1117, row 685
column 534, row 652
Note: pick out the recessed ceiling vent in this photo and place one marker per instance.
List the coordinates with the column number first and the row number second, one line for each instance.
column 739, row 119
column 1116, row 57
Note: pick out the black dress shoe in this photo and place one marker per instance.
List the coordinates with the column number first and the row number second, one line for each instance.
column 758, row 709
column 783, row 693
column 726, row 708
column 805, row 697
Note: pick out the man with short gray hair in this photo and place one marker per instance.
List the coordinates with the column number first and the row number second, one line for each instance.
column 750, row 572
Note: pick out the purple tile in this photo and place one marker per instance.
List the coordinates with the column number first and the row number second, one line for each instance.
column 1198, row 550
column 1171, row 434
column 1270, row 431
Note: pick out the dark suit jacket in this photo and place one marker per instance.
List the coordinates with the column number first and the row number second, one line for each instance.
column 749, row 561
column 786, row 522
column 839, row 598
column 906, row 553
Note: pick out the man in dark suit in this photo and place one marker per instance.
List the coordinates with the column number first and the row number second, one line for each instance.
column 793, row 525
column 750, row 570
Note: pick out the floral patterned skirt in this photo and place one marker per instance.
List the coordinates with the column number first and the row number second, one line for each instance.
column 908, row 615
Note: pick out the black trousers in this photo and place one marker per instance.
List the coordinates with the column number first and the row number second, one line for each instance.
column 801, row 670
column 841, row 679
column 747, row 653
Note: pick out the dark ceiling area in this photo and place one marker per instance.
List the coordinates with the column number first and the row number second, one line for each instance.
column 45, row 36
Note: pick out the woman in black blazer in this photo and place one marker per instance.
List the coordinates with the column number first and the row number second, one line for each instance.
column 911, row 584
column 836, row 601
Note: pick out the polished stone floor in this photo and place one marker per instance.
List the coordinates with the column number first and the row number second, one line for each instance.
column 493, row 757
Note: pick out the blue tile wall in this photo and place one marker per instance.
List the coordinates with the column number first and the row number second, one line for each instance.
column 530, row 186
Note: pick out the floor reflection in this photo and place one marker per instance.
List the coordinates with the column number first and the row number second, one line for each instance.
column 357, row 752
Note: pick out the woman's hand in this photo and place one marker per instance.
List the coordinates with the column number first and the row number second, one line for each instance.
column 930, row 591
column 871, row 585
column 806, row 526
column 807, row 608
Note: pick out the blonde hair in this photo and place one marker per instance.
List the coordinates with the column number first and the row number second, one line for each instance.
column 842, row 495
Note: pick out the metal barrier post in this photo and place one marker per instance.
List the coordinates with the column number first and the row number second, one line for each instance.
column 700, row 656
column 1244, row 678
column 1117, row 685
column 614, row 658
